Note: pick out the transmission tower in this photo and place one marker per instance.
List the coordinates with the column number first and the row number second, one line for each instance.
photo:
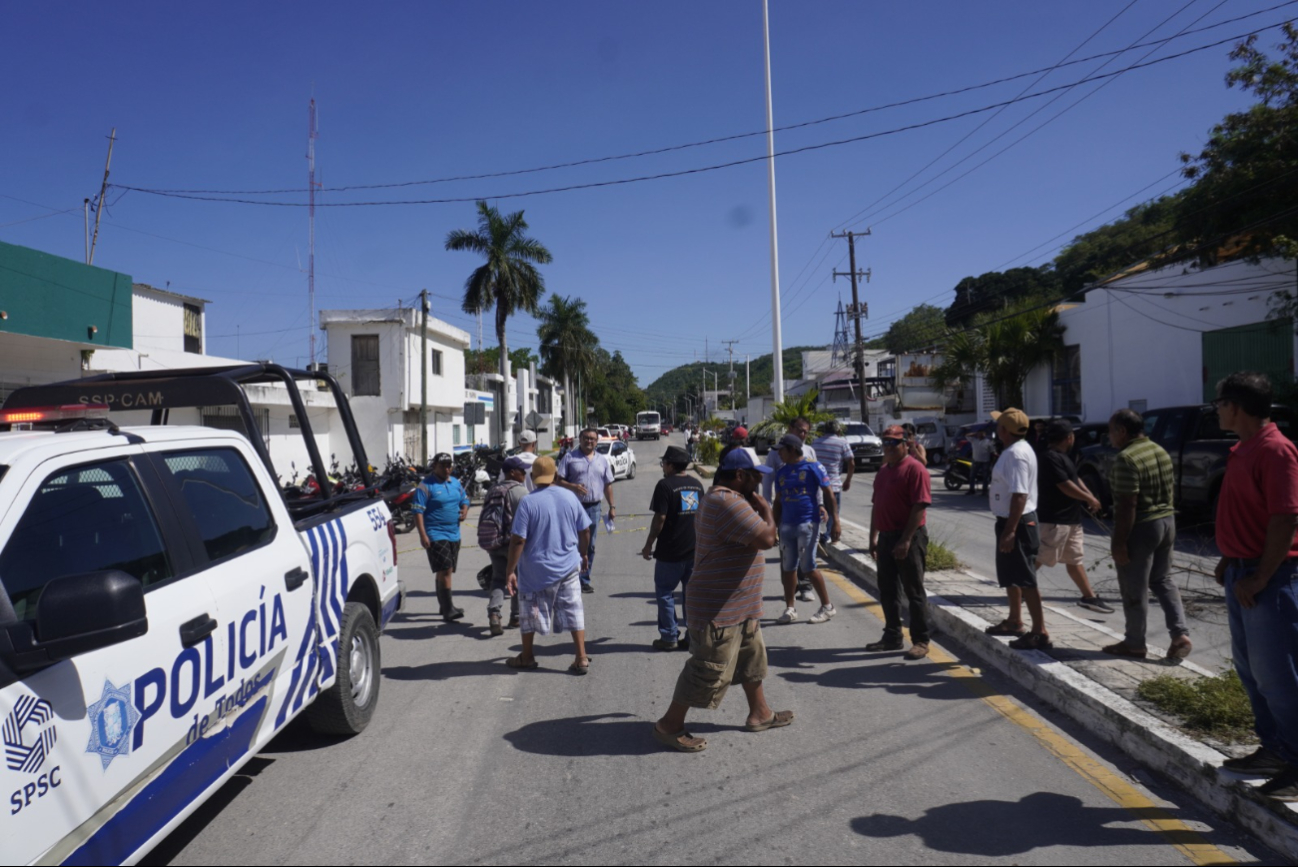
column 841, row 354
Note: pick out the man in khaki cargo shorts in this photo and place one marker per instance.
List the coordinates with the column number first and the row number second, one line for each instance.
column 733, row 527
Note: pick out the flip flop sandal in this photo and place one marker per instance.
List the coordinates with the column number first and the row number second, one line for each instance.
column 1007, row 628
column 579, row 669
column 781, row 719
column 682, row 741
column 517, row 663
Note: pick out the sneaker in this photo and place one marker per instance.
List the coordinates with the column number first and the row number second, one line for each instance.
column 493, row 622
column 825, row 612
column 513, row 622
column 805, row 595
column 884, row 644
column 1283, row 786
column 664, row 644
column 1259, row 763
column 919, row 650
column 789, row 615
column 1095, row 603
column 586, row 588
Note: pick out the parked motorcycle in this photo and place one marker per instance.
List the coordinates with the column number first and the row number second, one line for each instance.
column 957, row 475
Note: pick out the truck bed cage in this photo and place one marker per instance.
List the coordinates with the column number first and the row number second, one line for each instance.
column 161, row 391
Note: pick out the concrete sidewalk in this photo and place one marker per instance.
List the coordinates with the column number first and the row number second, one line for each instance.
column 1096, row 690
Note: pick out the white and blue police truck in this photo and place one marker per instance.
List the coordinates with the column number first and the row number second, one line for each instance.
column 165, row 609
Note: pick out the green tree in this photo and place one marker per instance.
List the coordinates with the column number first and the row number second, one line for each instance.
column 509, row 279
column 1143, row 231
column 1004, row 348
column 567, row 345
column 611, row 389
column 997, row 290
column 785, row 413
column 922, row 327
column 1246, row 177
column 488, row 359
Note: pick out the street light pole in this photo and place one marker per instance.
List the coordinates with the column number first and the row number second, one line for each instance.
column 777, row 350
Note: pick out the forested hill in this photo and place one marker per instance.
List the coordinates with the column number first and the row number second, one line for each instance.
column 688, row 377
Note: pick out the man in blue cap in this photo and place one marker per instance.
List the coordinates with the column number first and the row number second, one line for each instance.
column 723, row 609
column 440, row 506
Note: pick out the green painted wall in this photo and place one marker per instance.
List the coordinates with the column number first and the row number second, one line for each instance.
column 49, row 296
column 1266, row 347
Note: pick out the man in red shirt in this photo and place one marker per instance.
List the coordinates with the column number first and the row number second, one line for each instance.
column 899, row 543
column 1257, row 515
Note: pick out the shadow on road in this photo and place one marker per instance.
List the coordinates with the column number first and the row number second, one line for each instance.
column 174, row 843
column 1041, row 820
column 899, row 678
column 447, row 670
column 610, row 734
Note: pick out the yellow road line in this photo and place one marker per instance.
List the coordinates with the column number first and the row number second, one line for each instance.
column 1181, row 836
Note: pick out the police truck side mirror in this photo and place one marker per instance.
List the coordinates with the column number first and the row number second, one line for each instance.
column 76, row 614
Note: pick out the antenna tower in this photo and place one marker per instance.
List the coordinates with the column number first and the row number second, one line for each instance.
column 312, row 133
column 841, row 355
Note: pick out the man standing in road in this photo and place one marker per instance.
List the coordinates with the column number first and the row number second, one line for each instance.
column 1257, row 515
column 801, row 428
column 674, row 504
column 724, row 605
column 498, row 510
column 899, row 543
column 589, row 475
column 527, row 454
column 1014, row 503
column 797, row 483
column 981, row 448
column 1144, row 529
column 738, row 440
column 440, row 506
column 835, row 455
column 1061, row 496
column 549, row 533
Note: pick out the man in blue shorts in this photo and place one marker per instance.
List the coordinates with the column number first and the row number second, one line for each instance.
column 797, row 483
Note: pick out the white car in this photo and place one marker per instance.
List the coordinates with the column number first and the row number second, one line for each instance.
column 620, row 457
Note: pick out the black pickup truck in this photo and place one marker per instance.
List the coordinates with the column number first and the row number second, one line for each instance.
column 1198, row 448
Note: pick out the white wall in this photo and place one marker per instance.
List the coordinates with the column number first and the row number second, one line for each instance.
column 28, row 360
column 1141, row 337
column 158, row 320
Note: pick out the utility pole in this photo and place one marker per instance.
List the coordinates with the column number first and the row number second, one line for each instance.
column 85, row 206
column 748, row 379
column 312, row 134
column 730, row 348
column 423, row 379
column 103, row 188
column 856, row 311
column 777, row 350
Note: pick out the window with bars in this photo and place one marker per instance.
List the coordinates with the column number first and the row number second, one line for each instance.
column 365, row 365
column 1066, row 382
column 194, row 328
column 437, row 362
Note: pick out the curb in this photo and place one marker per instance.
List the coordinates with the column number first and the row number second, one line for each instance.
column 1193, row 766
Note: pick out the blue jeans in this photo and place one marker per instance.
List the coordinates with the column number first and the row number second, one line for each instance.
column 1264, row 643
column 593, row 511
column 667, row 576
column 838, row 502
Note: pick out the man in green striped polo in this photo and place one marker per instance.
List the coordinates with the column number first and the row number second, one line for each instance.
column 1144, row 530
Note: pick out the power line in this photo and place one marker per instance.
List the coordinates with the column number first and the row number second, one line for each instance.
column 709, row 168
column 739, row 136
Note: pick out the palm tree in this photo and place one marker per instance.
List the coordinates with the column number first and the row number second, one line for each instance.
column 508, row 280
column 1005, row 350
column 567, row 345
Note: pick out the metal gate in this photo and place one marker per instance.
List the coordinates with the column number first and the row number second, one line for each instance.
column 1265, row 347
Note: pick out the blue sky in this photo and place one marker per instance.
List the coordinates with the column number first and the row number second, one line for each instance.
column 215, row 97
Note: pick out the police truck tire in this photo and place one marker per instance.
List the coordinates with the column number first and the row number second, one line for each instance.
column 347, row 706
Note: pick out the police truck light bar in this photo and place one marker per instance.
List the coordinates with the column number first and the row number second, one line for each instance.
column 47, row 414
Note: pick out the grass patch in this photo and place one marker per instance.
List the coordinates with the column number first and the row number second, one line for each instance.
column 940, row 557
column 1216, row 706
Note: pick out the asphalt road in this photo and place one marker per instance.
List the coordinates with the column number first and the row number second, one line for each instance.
column 887, row 762
column 964, row 524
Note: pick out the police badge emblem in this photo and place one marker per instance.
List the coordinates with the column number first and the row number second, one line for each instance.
column 112, row 719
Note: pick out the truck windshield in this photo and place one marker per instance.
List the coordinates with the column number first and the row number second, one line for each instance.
column 859, row 429
column 647, row 418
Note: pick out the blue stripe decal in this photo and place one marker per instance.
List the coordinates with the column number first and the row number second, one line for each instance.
column 335, row 589
column 190, row 773
column 326, row 581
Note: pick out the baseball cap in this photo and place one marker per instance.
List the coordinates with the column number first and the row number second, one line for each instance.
column 1058, row 430
column 740, row 459
column 893, row 432
column 543, row 471
column 791, row 441
column 1014, row 420
column 527, row 437
column 516, row 463
column 739, row 433
column 443, row 458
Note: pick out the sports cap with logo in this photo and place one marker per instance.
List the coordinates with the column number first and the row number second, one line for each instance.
column 740, row 459
column 543, row 470
column 442, row 458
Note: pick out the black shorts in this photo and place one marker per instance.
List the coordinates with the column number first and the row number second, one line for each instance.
column 1018, row 567
column 443, row 555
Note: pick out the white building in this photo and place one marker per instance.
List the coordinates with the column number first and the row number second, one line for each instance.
column 1150, row 339
column 376, row 357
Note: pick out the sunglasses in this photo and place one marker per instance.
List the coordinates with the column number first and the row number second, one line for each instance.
column 893, row 442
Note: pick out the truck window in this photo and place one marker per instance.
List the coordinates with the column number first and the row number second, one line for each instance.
column 1170, row 436
column 1210, row 428
column 223, row 498
column 85, row 519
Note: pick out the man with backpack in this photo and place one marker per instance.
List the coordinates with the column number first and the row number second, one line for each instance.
column 494, row 526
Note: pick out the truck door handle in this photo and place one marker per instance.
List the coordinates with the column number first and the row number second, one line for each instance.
column 194, row 631
column 295, row 578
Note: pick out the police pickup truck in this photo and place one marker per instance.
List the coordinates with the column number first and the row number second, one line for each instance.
column 165, row 610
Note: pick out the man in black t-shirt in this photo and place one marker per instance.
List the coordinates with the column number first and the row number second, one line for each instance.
column 1061, row 497
column 675, row 503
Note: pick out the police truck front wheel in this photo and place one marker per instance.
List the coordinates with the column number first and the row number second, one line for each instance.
column 346, row 707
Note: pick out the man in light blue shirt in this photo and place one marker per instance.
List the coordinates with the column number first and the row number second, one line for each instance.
column 549, row 536
column 440, row 506
column 589, row 475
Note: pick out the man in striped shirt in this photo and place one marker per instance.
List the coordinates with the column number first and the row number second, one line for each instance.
column 733, row 527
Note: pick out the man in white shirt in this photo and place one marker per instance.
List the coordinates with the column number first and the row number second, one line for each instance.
column 1014, row 503
column 527, row 444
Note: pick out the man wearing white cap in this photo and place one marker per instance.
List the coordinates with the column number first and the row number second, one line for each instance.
column 527, row 453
